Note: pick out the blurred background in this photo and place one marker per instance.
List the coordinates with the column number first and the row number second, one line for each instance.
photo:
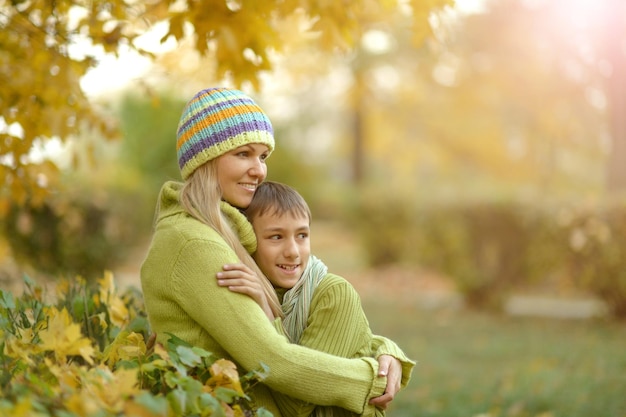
column 465, row 163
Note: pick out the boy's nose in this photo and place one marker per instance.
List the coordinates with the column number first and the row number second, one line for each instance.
column 291, row 249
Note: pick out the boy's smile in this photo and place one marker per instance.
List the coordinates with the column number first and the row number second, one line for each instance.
column 283, row 247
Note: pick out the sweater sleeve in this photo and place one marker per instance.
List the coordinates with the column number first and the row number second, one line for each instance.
column 238, row 325
column 383, row 346
column 336, row 322
column 336, row 325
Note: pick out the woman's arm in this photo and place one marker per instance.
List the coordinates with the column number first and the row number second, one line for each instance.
column 337, row 325
column 237, row 324
column 241, row 279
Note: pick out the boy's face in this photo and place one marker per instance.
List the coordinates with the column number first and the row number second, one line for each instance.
column 283, row 247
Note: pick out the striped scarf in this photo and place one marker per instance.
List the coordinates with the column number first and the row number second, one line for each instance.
column 297, row 301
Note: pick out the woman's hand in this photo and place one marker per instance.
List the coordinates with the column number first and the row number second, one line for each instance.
column 239, row 278
column 392, row 368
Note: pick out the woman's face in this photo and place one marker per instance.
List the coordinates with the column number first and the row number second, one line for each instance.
column 240, row 171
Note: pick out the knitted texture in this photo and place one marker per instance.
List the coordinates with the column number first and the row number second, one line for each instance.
column 216, row 121
column 336, row 324
column 182, row 297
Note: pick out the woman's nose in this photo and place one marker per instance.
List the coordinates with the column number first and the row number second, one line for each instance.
column 258, row 168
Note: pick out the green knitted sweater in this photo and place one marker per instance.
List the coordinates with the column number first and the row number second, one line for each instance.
column 337, row 324
column 182, row 297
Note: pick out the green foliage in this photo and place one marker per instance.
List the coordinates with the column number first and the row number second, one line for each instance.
column 482, row 246
column 90, row 353
column 42, row 66
column 107, row 209
column 592, row 243
column 384, row 225
column 491, row 249
column 148, row 126
column 66, row 235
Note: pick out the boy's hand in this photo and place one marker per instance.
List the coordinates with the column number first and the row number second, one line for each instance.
column 239, row 278
column 392, row 368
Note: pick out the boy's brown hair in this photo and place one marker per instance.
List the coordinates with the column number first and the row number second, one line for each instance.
column 275, row 198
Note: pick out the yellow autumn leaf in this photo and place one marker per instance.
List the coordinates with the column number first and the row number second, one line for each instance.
column 125, row 346
column 23, row 407
column 134, row 347
column 107, row 285
column 63, row 337
column 66, row 374
column 82, row 404
column 224, row 374
column 21, row 346
column 112, row 389
column 161, row 351
column 118, row 313
column 101, row 390
column 101, row 318
column 139, row 410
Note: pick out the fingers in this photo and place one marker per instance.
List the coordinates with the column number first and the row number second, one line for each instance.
column 239, row 278
column 382, row 402
column 237, row 267
column 384, row 362
column 391, row 368
column 234, row 272
column 394, row 377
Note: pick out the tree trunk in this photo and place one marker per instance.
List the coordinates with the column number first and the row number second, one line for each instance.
column 358, row 121
column 615, row 43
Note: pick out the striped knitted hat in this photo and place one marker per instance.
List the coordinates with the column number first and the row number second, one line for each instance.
column 216, row 121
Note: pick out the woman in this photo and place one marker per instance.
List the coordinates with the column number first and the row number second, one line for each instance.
column 223, row 141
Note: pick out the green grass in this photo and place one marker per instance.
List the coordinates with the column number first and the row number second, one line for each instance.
column 473, row 364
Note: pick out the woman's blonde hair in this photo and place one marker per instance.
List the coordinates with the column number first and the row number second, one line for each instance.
column 200, row 197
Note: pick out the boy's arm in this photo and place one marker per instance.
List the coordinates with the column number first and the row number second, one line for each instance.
column 336, row 322
column 337, row 325
column 383, row 346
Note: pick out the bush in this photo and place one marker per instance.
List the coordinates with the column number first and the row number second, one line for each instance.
column 595, row 242
column 90, row 353
column 77, row 232
column 482, row 247
column 492, row 249
column 384, row 226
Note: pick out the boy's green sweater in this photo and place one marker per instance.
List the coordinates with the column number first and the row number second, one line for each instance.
column 337, row 324
column 178, row 279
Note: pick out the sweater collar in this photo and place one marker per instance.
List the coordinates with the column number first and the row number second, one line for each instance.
column 240, row 225
column 169, row 205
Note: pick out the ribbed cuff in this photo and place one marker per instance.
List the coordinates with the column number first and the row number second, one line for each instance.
column 385, row 346
column 378, row 388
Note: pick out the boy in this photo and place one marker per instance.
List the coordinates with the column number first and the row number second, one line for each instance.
column 322, row 310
